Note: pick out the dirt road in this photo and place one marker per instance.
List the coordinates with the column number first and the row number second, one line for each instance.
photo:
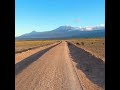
column 55, row 69
column 21, row 56
column 52, row 71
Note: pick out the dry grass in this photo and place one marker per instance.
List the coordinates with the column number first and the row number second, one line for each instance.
column 26, row 45
column 95, row 45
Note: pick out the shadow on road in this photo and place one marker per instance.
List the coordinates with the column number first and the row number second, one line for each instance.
column 27, row 61
column 92, row 67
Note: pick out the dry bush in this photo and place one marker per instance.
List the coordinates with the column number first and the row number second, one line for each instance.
column 82, row 43
column 77, row 43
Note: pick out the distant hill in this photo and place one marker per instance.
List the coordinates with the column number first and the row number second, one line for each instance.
column 64, row 32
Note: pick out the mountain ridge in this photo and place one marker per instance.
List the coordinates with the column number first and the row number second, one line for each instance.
column 65, row 32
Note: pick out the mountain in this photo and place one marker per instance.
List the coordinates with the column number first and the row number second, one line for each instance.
column 63, row 32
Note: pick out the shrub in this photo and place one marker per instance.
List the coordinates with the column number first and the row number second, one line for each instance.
column 77, row 43
column 82, row 43
column 68, row 43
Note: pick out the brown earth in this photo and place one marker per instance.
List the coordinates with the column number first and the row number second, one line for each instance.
column 94, row 46
column 23, row 55
column 53, row 69
column 90, row 69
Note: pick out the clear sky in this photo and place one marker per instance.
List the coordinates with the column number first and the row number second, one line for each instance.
column 46, row 15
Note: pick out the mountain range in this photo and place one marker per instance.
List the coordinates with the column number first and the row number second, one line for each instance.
column 65, row 32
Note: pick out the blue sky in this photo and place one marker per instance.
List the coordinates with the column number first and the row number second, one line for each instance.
column 46, row 15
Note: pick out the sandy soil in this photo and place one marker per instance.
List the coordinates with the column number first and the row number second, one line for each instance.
column 97, row 50
column 59, row 67
column 98, row 55
column 23, row 55
column 51, row 71
column 90, row 70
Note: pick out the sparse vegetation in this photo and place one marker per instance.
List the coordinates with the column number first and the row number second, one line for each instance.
column 68, row 43
column 21, row 46
column 77, row 43
column 82, row 43
column 95, row 45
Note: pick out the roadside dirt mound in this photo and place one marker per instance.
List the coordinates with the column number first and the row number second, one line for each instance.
column 90, row 70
